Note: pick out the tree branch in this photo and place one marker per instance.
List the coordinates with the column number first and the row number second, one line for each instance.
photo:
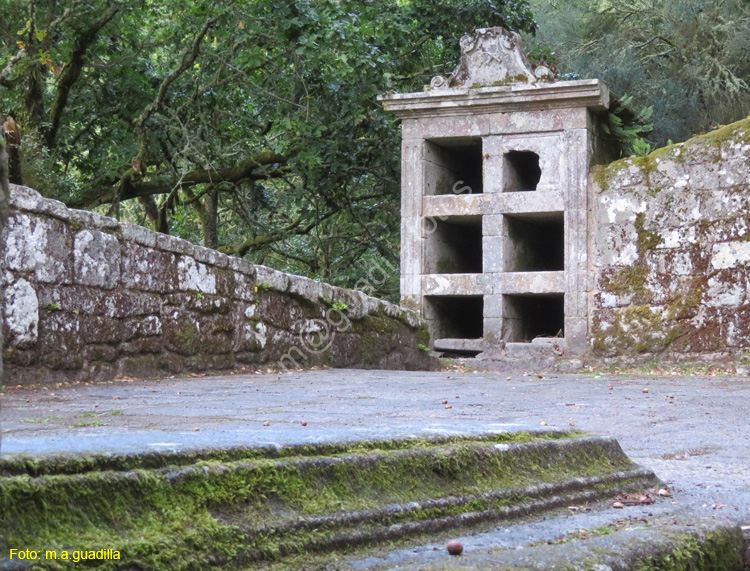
column 4, row 76
column 131, row 185
column 188, row 59
column 72, row 72
column 294, row 229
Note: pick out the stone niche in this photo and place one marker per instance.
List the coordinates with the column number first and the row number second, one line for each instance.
column 495, row 202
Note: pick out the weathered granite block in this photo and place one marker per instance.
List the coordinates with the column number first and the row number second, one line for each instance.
column 39, row 245
column 100, row 329
column 96, row 258
column 21, row 314
column 138, row 327
column 25, row 199
column 148, row 269
column 268, row 278
column 195, row 276
column 125, row 303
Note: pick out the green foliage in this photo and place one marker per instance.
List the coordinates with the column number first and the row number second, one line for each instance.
column 250, row 125
column 686, row 59
column 627, row 128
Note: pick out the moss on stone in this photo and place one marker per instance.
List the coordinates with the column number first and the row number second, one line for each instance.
column 628, row 280
column 672, row 152
column 226, row 512
column 599, row 344
column 422, row 335
column 647, row 239
column 720, row 550
column 637, row 328
column 673, row 334
column 601, row 176
column 738, row 132
column 647, row 164
column 685, row 305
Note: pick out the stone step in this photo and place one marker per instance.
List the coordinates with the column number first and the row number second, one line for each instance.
column 242, row 507
column 605, row 539
column 531, row 350
column 459, row 345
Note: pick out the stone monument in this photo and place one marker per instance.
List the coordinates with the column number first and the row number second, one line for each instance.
column 495, row 205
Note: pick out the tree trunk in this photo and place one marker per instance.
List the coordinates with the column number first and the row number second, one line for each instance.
column 12, row 139
column 211, row 220
column 152, row 211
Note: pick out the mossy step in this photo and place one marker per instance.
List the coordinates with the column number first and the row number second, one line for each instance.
column 659, row 546
column 42, row 465
column 219, row 513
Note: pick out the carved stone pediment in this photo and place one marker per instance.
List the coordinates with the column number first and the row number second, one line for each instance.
column 493, row 56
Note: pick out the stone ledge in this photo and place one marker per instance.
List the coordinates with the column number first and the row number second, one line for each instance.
column 589, row 93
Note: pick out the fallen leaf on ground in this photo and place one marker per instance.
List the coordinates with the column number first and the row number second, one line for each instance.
column 635, row 499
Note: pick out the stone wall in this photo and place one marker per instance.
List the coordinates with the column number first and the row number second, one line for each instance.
column 671, row 250
column 90, row 298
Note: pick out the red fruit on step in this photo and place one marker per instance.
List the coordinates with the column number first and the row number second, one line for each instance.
column 455, row 548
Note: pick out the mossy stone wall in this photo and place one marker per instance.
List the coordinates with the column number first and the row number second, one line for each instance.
column 671, row 250
column 90, row 298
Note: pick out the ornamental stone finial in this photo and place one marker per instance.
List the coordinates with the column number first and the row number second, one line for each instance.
column 492, row 56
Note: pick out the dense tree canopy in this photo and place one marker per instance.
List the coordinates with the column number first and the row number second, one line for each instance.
column 688, row 59
column 251, row 124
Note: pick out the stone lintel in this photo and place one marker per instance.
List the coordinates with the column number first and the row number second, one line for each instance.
column 532, row 282
column 454, row 205
column 453, row 284
column 590, row 93
column 533, row 202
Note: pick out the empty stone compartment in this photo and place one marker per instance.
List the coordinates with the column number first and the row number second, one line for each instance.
column 455, row 317
column 534, row 242
column 528, row 316
column 453, row 166
column 521, row 171
column 453, row 245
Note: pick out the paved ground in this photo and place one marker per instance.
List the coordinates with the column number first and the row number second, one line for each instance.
column 694, row 432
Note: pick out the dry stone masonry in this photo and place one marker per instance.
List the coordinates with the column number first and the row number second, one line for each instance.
column 90, row 298
column 671, row 250
column 495, row 203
